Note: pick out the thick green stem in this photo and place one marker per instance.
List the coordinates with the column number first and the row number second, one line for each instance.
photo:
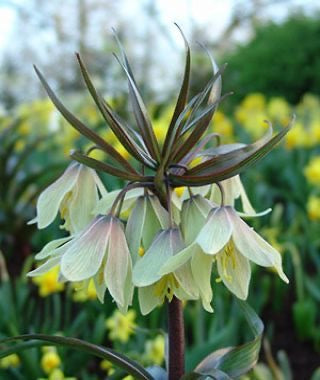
column 176, row 339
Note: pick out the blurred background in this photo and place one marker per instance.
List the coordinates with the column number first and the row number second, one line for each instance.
column 273, row 54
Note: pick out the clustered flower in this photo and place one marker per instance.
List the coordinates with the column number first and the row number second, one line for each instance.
column 145, row 236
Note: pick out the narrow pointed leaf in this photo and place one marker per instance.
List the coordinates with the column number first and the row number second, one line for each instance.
column 236, row 361
column 99, row 165
column 81, row 128
column 118, row 359
column 229, row 164
column 141, row 116
column 183, row 95
column 110, row 117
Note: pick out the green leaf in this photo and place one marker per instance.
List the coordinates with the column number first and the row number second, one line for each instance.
column 184, row 147
column 81, row 128
column 183, row 95
column 113, row 119
column 104, row 353
column 99, row 165
column 236, row 361
column 141, row 115
column 227, row 165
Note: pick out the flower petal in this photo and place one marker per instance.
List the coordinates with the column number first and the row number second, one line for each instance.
column 186, row 281
column 84, row 256
column 201, row 266
column 83, row 199
column 44, row 268
column 50, row 199
column 165, row 245
column 193, row 216
column 177, row 260
column 148, row 299
column 235, row 272
column 216, row 232
column 134, row 228
column 254, row 247
column 104, row 204
column 118, row 264
column 52, row 248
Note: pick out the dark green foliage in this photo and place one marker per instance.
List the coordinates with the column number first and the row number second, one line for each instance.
column 281, row 60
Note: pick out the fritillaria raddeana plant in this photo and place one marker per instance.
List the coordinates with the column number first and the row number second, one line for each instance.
column 168, row 247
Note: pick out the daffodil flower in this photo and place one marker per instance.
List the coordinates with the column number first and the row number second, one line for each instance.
column 155, row 288
column 75, row 194
column 100, row 252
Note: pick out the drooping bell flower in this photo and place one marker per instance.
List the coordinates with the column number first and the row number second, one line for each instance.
column 155, row 288
column 100, row 252
column 75, row 194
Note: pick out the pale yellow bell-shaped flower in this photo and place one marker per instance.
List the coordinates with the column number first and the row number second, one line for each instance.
column 75, row 194
column 100, row 252
column 155, row 288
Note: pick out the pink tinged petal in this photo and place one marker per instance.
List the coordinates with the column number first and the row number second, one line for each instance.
column 201, row 266
column 50, row 199
column 165, row 245
column 118, row 264
column 134, row 228
column 84, row 256
column 148, row 299
column 83, row 200
column 235, row 271
column 54, row 247
column 216, row 232
column 44, row 268
column 254, row 247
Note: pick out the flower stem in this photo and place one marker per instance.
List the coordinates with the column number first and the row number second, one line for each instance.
column 176, row 339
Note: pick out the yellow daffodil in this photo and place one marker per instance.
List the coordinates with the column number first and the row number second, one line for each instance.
column 10, row 361
column 155, row 350
column 279, row 110
column 50, row 360
column 107, row 366
column 313, row 207
column 48, row 282
column 297, row 137
column 121, row 326
column 312, row 171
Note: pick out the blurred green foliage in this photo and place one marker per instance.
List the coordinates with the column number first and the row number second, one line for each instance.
column 281, row 60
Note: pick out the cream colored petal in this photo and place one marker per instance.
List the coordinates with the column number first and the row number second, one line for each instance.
column 193, row 216
column 157, row 219
column 177, row 260
column 102, row 190
column 135, row 225
column 254, row 247
column 186, row 281
column 104, row 204
column 246, row 205
column 216, row 232
column 165, row 245
column 201, row 266
column 52, row 248
column 118, row 264
column 83, row 200
column 100, row 284
column 84, row 256
column 148, row 299
column 235, row 272
column 50, row 199
column 44, row 268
